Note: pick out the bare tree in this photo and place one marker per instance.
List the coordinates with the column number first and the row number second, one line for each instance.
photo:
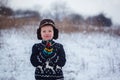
column 6, row 11
column 76, row 18
column 99, row 20
column 59, row 10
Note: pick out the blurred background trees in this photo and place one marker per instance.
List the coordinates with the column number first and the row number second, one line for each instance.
column 4, row 9
column 65, row 18
column 59, row 12
column 99, row 20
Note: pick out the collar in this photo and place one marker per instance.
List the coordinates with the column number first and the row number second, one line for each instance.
column 50, row 42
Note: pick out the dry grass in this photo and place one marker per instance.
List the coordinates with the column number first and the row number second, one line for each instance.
column 10, row 22
column 64, row 26
column 67, row 27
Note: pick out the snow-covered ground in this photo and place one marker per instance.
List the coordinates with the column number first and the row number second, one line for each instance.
column 89, row 56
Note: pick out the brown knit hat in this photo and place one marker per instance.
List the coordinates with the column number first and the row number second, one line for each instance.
column 45, row 22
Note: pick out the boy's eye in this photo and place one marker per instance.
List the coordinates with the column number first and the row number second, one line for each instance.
column 50, row 31
column 44, row 31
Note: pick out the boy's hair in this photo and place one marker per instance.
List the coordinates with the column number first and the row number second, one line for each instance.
column 45, row 22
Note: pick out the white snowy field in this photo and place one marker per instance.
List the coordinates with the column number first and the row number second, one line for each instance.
column 89, row 56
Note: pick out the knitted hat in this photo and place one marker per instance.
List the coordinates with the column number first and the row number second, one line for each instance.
column 46, row 22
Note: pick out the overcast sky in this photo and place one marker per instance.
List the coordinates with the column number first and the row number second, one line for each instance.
column 111, row 8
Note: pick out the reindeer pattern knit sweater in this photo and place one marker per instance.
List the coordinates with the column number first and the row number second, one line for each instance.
column 48, row 57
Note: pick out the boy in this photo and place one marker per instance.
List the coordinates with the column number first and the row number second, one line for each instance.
column 48, row 56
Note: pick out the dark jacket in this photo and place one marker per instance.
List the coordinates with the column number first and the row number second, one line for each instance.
column 48, row 60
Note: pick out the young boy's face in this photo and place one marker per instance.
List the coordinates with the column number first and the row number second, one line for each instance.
column 47, row 32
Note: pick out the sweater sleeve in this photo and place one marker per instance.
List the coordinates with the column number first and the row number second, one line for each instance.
column 62, row 57
column 35, row 60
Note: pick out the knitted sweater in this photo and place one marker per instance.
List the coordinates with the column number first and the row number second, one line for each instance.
column 48, row 60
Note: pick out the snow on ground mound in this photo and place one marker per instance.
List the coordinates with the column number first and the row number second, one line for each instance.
column 89, row 56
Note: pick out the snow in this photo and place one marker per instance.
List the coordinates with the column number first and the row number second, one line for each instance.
column 92, row 56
